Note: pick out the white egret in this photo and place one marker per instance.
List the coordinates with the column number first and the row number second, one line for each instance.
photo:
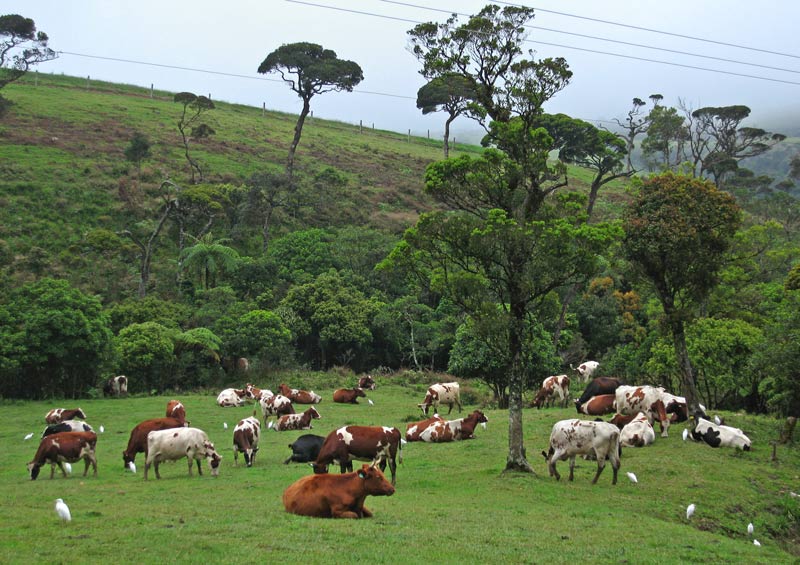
column 750, row 528
column 29, row 436
column 717, row 420
column 632, row 477
column 67, row 468
column 370, row 402
column 685, row 433
column 756, row 542
column 63, row 510
column 102, row 429
column 689, row 511
column 225, row 425
column 132, row 467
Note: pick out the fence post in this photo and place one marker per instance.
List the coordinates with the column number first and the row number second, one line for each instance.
column 409, row 136
column 87, row 82
column 429, row 134
column 151, row 90
column 360, row 126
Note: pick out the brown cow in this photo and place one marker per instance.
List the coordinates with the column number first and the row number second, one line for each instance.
column 116, row 386
column 367, row 382
column 414, row 429
column 348, row 395
column 647, row 399
column 175, row 409
column 245, row 439
column 598, row 405
column 57, row 415
column 365, row 443
column 442, row 393
column 453, row 430
column 63, row 447
column 300, row 421
column 137, row 443
column 336, row 496
column 552, row 387
column 597, row 386
column 299, row 396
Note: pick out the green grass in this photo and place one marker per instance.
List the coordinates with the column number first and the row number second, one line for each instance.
column 452, row 505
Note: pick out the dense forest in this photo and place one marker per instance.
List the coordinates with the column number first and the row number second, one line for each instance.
column 164, row 236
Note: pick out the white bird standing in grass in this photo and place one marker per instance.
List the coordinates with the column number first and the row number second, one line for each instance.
column 750, row 528
column 685, row 433
column 632, row 477
column 756, row 542
column 717, row 420
column 370, row 401
column 68, row 468
column 29, row 436
column 483, row 425
column 132, row 467
column 63, row 510
column 102, row 429
column 689, row 511
column 225, row 425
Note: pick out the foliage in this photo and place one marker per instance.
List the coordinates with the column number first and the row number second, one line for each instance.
column 21, row 47
column 167, row 313
column 451, row 93
column 190, row 127
column 146, row 354
column 209, row 258
column 261, row 334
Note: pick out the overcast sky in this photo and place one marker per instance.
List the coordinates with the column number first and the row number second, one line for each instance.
column 236, row 35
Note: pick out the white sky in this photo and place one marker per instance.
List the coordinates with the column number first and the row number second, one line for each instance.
column 235, row 36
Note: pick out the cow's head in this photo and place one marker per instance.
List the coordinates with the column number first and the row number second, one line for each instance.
column 253, row 393
column 359, row 392
column 374, row 481
column 126, row 460
column 33, row 469
column 80, row 414
column 314, row 414
column 319, row 469
column 213, row 457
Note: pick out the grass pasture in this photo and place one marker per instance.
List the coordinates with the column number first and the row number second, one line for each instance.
column 452, row 503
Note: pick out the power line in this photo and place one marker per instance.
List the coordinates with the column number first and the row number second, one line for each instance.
column 620, row 42
column 336, row 8
column 654, row 30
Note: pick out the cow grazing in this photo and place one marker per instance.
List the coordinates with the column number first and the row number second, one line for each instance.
column 442, row 393
column 116, row 386
column 299, row 396
column 597, row 386
column 453, row 430
column 137, row 443
column 598, row 405
column 414, row 429
column 348, row 395
column 62, row 447
column 638, row 432
column 570, row 438
column 719, row 436
column 365, row 443
column 676, row 407
column 245, row 440
column 67, row 426
column 300, row 421
column 231, row 397
column 336, row 496
column 177, row 443
column 275, row 404
column 586, row 369
column 305, row 449
column 57, row 415
column 367, row 382
column 175, row 409
column 647, row 399
column 555, row 387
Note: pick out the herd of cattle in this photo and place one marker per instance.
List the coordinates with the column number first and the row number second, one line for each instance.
column 68, row 438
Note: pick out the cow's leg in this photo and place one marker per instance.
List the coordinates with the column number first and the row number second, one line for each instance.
column 665, row 427
column 94, row 465
column 571, row 468
column 551, row 465
column 146, row 469
column 392, row 467
column 601, row 464
column 199, row 467
column 53, row 469
column 615, row 463
column 343, row 511
column 86, row 463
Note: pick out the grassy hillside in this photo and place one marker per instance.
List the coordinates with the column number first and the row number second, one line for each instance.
column 452, row 503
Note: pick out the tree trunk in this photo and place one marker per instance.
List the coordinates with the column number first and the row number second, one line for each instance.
column 787, row 433
column 684, row 364
column 298, row 131
column 447, row 136
column 516, row 450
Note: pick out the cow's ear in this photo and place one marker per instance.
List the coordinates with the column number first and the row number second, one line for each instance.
column 362, row 474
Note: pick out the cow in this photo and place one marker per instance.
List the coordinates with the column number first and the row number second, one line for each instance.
column 597, row 386
column 116, row 386
column 231, row 397
column 336, row 496
column 175, row 409
column 300, row 421
column 719, row 436
column 245, row 440
column 63, row 447
column 586, row 369
column 552, row 388
column 67, row 426
column 365, row 443
column 598, row 405
column 254, row 393
column 442, row 393
column 453, row 430
column 137, row 443
column 348, row 395
column 676, row 406
column 414, row 429
column 580, row 437
column 275, row 404
column 177, row 443
column 638, row 432
column 57, row 415
column 647, row 399
column 299, row 396
column 367, row 382
column 305, row 449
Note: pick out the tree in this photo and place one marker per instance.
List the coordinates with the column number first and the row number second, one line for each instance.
column 316, row 71
column 21, row 47
column 666, row 138
column 260, row 334
column 266, row 194
column 635, row 124
column 146, row 354
column 190, row 127
column 137, row 151
column 450, row 93
column 209, row 257
column 677, row 231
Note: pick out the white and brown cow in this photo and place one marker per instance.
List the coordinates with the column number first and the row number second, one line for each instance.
column 176, row 409
column 276, row 404
column 245, row 440
column 586, row 369
column 553, row 388
column 596, row 387
column 336, row 496
column 442, row 393
column 67, row 426
column 414, row 429
column 255, row 393
column 300, row 421
column 231, row 397
column 367, row 382
column 647, row 399
column 177, row 443
column 62, row 447
column 299, row 396
column 57, row 415
column 638, row 432
column 570, row 438
column 116, row 386
column 365, row 443
column 137, row 442
column 599, row 405
column 348, row 395
column 452, row 430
